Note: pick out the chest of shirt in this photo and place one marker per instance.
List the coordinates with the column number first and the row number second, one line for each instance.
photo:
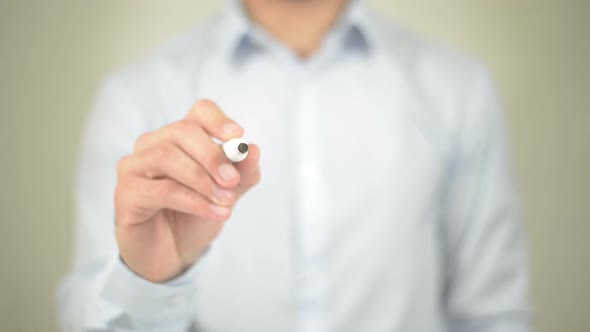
column 334, row 141
column 350, row 182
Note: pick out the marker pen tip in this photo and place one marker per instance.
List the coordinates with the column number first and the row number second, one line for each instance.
column 243, row 147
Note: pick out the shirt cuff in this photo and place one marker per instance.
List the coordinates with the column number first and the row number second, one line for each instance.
column 147, row 303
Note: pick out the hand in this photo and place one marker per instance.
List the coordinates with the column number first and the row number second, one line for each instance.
column 176, row 190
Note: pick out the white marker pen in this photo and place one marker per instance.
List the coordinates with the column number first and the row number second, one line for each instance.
column 236, row 149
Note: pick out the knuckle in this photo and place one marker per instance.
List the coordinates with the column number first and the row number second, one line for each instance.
column 203, row 105
column 124, row 219
column 166, row 189
column 141, row 141
column 130, row 197
column 150, row 173
column 121, row 195
column 206, row 111
column 119, row 191
column 191, row 126
column 123, row 166
column 177, row 129
column 156, row 154
column 180, row 129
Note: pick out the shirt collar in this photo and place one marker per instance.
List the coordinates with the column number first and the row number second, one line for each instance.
column 240, row 36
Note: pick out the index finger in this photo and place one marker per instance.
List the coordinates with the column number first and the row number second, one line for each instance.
column 214, row 121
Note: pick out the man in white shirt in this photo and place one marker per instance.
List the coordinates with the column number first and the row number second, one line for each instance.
column 377, row 197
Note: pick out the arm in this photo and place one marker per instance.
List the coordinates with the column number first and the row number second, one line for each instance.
column 487, row 281
column 99, row 288
column 130, row 271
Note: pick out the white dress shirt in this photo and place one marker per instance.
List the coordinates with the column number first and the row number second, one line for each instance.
column 386, row 201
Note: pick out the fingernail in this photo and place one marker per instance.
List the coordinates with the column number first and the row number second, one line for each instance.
column 223, row 196
column 219, row 210
column 231, row 129
column 227, row 172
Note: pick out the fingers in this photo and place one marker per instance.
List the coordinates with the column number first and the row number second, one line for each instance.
column 140, row 194
column 179, row 167
column 169, row 161
column 214, row 121
column 195, row 142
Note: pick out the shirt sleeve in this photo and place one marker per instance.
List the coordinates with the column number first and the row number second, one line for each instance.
column 100, row 292
column 486, row 281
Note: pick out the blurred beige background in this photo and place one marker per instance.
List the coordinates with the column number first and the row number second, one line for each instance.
column 53, row 53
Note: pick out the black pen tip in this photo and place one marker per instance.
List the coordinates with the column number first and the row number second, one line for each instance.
column 243, row 147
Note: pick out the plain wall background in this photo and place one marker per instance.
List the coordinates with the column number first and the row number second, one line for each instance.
column 53, row 54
